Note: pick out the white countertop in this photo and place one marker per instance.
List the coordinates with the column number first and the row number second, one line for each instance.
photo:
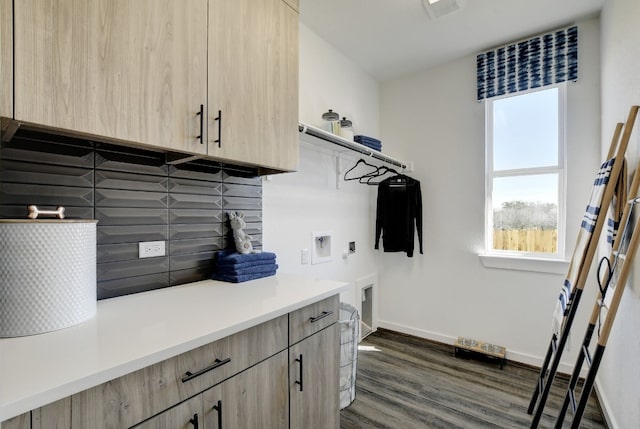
column 131, row 332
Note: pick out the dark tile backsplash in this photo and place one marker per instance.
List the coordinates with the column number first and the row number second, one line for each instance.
column 136, row 197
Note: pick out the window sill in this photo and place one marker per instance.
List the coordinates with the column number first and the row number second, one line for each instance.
column 550, row 266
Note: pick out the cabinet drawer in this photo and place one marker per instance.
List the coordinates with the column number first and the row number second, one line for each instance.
column 313, row 318
column 134, row 397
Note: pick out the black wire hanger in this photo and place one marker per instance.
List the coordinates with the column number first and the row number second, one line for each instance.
column 360, row 161
column 383, row 170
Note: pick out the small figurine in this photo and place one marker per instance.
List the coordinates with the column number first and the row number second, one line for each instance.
column 241, row 238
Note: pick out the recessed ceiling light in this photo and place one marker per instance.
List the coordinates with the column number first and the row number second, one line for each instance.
column 439, row 8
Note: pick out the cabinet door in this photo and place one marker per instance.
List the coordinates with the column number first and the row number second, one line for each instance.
column 256, row 398
column 314, row 366
column 6, row 58
column 253, row 82
column 56, row 415
column 187, row 415
column 128, row 70
column 23, row 421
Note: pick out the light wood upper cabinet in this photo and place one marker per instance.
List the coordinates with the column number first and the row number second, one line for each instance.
column 138, row 72
column 295, row 4
column 253, row 82
column 6, row 58
column 128, row 70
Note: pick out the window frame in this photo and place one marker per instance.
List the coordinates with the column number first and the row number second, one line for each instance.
column 560, row 169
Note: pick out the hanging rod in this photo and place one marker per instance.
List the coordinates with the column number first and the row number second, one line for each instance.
column 351, row 145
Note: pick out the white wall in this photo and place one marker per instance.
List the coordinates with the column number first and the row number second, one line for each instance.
column 295, row 204
column 431, row 118
column 436, row 122
column 618, row 380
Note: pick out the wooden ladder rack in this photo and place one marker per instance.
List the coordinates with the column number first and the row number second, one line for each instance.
column 584, row 252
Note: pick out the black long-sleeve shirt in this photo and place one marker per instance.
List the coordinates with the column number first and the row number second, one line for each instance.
column 399, row 209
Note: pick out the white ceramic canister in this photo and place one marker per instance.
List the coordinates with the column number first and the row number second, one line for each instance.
column 346, row 129
column 47, row 274
column 331, row 122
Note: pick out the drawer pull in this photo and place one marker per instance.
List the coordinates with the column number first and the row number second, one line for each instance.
column 194, row 421
column 218, row 408
column 218, row 363
column 321, row 316
column 300, row 382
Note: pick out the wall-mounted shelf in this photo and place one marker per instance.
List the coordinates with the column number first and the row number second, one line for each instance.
column 326, row 136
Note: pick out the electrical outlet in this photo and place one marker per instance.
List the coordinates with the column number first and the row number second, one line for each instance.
column 352, row 247
column 151, row 249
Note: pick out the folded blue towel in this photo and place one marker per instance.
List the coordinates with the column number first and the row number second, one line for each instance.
column 256, row 269
column 366, row 139
column 226, row 265
column 369, row 142
column 232, row 257
column 373, row 146
column 241, row 278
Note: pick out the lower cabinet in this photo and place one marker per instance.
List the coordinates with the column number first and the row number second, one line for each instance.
column 55, row 415
column 314, row 365
column 187, row 415
column 133, row 398
column 256, row 398
column 257, row 378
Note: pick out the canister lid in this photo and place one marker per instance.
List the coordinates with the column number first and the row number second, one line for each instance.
column 345, row 123
column 330, row 116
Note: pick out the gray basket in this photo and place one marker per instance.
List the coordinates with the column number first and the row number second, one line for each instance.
column 349, row 336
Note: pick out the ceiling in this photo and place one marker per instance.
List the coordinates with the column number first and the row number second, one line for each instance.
column 391, row 38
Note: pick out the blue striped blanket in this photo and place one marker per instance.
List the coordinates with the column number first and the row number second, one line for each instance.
column 584, row 237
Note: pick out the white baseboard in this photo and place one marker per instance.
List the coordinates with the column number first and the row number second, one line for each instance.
column 606, row 407
column 447, row 339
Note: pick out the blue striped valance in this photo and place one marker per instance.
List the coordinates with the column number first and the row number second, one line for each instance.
column 541, row 61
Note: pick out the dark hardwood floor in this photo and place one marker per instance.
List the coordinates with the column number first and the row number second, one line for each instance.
column 407, row 382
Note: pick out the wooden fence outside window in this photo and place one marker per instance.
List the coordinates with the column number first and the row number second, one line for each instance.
column 526, row 240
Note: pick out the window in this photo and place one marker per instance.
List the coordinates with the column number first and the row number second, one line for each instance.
column 525, row 173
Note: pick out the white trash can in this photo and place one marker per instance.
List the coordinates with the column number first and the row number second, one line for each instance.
column 349, row 336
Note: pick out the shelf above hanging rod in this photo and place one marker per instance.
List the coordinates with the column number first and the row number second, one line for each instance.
column 348, row 144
